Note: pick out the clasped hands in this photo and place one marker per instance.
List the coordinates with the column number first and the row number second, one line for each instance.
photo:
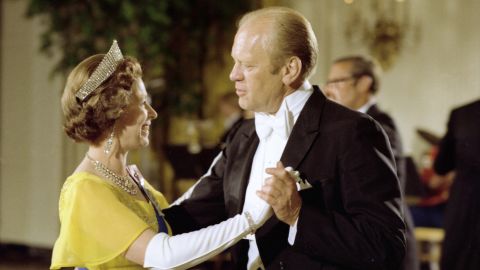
column 280, row 192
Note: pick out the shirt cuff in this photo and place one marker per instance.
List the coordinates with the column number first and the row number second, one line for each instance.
column 292, row 233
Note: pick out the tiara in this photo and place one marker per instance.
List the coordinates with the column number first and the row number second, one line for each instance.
column 104, row 70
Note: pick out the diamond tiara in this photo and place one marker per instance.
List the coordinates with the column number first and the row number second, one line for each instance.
column 104, row 70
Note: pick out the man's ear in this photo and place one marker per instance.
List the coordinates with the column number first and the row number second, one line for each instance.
column 364, row 83
column 291, row 71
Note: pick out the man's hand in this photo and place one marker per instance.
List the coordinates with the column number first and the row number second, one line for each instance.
column 280, row 191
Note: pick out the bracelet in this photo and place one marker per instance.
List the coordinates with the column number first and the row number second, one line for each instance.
column 251, row 224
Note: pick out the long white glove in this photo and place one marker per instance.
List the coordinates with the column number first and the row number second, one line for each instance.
column 189, row 249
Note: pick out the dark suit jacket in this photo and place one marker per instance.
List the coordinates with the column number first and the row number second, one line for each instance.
column 460, row 151
column 390, row 128
column 410, row 261
column 350, row 219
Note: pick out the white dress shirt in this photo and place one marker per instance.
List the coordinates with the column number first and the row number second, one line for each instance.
column 269, row 152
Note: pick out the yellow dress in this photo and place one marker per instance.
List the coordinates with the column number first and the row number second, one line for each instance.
column 99, row 222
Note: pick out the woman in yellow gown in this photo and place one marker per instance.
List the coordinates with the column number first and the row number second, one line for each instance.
column 110, row 216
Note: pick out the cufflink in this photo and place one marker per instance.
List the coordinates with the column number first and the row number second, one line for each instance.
column 294, row 174
column 301, row 183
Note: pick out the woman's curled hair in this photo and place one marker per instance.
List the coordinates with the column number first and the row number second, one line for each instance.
column 91, row 119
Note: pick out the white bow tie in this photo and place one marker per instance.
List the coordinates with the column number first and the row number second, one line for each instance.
column 281, row 124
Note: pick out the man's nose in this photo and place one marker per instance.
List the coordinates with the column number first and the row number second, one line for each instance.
column 235, row 74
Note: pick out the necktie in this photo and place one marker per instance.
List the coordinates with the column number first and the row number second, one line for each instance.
column 281, row 124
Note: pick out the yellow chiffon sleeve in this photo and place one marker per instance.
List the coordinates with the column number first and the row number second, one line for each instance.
column 96, row 226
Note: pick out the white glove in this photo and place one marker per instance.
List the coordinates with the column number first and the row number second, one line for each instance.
column 186, row 250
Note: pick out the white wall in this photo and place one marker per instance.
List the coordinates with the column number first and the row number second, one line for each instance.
column 30, row 134
column 35, row 154
column 442, row 71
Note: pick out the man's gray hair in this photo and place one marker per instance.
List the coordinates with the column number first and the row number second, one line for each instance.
column 292, row 35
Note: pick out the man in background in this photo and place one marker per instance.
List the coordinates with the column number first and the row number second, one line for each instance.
column 459, row 153
column 353, row 82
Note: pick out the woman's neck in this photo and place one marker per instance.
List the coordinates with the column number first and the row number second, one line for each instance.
column 115, row 161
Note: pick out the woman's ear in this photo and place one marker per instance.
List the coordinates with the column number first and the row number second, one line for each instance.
column 291, row 71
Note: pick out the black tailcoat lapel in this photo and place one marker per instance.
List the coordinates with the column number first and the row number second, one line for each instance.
column 305, row 130
column 244, row 145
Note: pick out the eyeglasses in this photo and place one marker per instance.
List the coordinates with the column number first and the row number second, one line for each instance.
column 340, row 80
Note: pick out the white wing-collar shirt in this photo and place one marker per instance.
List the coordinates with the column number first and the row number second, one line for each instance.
column 273, row 132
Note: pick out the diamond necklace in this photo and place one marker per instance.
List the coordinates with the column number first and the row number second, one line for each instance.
column 124, row 182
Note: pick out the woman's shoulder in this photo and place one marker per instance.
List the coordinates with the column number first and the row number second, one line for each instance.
column 84, row 181
column 83, row 186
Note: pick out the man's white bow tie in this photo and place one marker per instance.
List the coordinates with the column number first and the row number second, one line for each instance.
column 281, row 124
